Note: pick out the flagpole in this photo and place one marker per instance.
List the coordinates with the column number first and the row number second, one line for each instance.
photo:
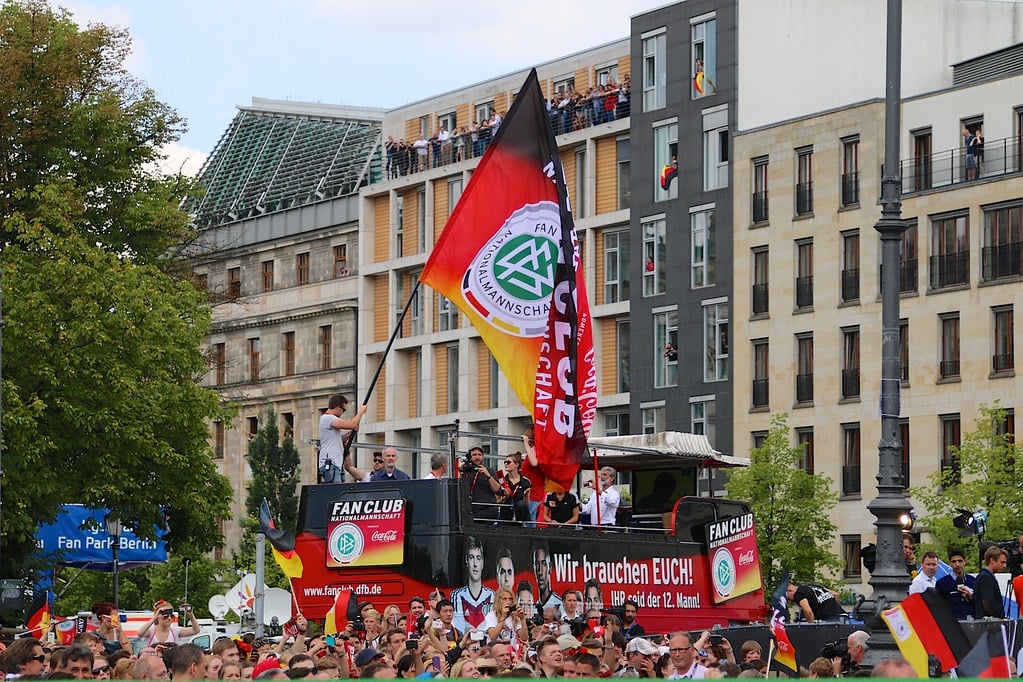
column 380, row 365
column 770, row 657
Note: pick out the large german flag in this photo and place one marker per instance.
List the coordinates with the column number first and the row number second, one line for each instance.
column 988, row 658
column 509, row 259
column 923, row 623
column 282, row 542
column 37, row 619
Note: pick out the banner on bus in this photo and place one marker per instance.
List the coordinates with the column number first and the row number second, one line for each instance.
column 367, row 529
column 733, row 556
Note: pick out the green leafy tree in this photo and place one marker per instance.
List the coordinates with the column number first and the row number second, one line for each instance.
column 102, row 337
column 985, row 474
column 791, row 509
column 274, row 464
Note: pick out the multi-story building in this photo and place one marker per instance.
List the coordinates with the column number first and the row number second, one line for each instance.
column 439, row 370
column 681, row 301
column 277, row 251
column 807, row 280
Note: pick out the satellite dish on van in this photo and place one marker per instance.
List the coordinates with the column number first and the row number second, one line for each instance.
column 218, row 606
column 276, row 604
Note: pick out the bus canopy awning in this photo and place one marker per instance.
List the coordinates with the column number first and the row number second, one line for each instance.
column 657, row 450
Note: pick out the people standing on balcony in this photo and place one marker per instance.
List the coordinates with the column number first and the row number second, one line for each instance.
column 977, row 144
column 971, row 160
column 422, row 148
column 392, row 150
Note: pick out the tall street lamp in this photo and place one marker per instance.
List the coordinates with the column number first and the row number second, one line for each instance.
column 113, row 523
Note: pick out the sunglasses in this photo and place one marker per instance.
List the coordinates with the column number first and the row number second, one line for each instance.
column 41, row 658
column 167, row 613
column 100, row 670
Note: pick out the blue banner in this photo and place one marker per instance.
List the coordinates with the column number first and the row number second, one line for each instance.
column 68, row 542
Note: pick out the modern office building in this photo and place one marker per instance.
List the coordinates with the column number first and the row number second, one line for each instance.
column 277, row 252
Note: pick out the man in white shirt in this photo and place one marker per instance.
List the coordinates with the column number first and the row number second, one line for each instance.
column 683, row 656
column 603, row 490
column 925, row 578
column 438, row 466
column 333, row 429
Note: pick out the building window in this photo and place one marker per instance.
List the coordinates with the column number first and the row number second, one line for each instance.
column 655, row 73
column 804, row 368
column 804, row 181
column 623, row 354
column 715, row 149
column 579, row 194
column 702, row 246
column 702, row 417
column 757, row 439
column 851, row 363
column 1003, row 243
column 850, row 459
column 289, row 353
column 326, row 347
column 267, row 268
column 950, row 442
column 219, row 364
column 704, row 46
column 254, row 359
column 949, row 366
column 624, row 176
column 904, row 438
column 851, row 171
column 448, row 314
column 606, row 75
column 415, row 313
column 484, row 111
column 399, row 227
column 341, row 260
column 665, row 154
column 565, row 84
column 715, row 341
column 448, row 121
column 654, row 253
column 453, row 371
column 804, row 274
column 760, row 203
column 495, row 384
column 804, row 439
column 950, row 246
column 616, row 423
column 761, row 281
column 454, row 194
column 1007, row 428
column 761, row 373
column 1002, row 360
column 904, row 350
column 302, row 268
column 850, row 266
column 616, row 266
column 852, row 566
column 665, row 349
column 218, row 439
column 202, row 282
column 234, row 282
column 920, row 177
column 653, row 419
column 908, row 259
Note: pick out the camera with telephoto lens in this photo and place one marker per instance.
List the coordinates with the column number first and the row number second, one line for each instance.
column 577, row 626
column 467, row 467
column 838, row 649
column 358, row 626
column 536, row 619
column 1013, row 559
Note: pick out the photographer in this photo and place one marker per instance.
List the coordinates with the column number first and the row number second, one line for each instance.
column 847, row 657
column 483, row 487
column 513, row 628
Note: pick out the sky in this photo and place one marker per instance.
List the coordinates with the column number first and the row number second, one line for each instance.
column 206, row 57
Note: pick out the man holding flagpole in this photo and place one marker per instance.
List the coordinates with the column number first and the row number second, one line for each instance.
column 333, row 430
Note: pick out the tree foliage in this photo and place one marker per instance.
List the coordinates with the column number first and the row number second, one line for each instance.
column 986, row 473
column 102, row 344
column 791, row 509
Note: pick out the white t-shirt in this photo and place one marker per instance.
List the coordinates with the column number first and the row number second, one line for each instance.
column 610, row 499
column 331, row 440
column 507, row 633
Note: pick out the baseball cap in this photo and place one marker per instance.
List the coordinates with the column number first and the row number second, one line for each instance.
column 271, row 663
column 366, row 656
column 642, row 646
column 568, row 642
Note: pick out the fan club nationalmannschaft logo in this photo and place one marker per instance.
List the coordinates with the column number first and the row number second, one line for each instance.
column 722, row 571
column 511, row 279
column 345, row 543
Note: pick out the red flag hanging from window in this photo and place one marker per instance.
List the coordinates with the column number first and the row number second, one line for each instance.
column 509, row 259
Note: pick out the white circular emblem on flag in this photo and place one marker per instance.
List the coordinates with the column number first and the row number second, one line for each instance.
column 345, row 543
column 722, row 572
column 511, row 279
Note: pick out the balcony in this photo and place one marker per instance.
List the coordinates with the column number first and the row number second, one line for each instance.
column 945, row 168
column 760, row 299
column 760, row 207
column 761, row 392
column 1002, row 362
column 850, row 383
column 804, row 388
column 950, row 269
column 948, row 369
column 851, row 480
column 1002, row 260
column 850, row 188
column 804, row 292
column 804, row 198
column 850, row 285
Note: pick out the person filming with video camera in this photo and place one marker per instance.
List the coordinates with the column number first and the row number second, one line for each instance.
column 484, row 488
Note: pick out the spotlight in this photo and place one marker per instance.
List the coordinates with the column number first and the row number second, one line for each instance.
column 970, row 523
column 907, row 520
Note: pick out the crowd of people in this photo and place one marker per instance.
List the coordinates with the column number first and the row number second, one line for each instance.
column 568, row 111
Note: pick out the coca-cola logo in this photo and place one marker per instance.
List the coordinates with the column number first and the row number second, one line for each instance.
column 384, row 536
column 746, row 558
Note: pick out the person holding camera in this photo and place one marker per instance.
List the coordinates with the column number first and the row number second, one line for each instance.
column 515, row 488
column 160, row 627
column 483, row 487
column 109, row 629
column 506, row 622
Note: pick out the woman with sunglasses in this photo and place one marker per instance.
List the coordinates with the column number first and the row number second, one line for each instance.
column 161, row 629
column 109, row 629
column 516, row 489
column 100, row 668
